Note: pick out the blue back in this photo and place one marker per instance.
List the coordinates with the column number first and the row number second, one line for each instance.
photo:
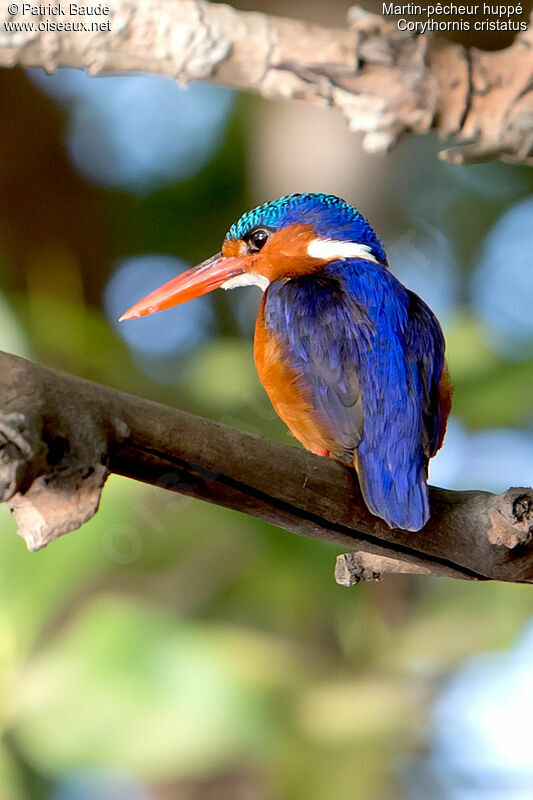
column 372, row 354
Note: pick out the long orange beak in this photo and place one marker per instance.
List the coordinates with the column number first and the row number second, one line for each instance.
column 194, row 282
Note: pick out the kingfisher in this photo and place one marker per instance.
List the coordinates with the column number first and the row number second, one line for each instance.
column 352, row 361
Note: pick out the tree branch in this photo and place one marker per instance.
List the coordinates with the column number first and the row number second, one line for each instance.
column 60, row 436
column 385, row 82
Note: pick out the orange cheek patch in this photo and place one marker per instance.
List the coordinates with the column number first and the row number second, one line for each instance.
column 285, row 254
column 232, row 247
column 293, row 240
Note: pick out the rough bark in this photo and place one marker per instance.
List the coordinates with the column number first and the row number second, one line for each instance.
column 385, row 82
column 60, row 436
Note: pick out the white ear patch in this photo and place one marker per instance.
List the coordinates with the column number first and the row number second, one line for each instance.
column 329, row 249
column 247, row 279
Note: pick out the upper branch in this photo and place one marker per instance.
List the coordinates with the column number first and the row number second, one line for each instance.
column 385, row 82
column 60, row 436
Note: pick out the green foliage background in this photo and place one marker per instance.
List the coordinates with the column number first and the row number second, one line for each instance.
column 199, row 652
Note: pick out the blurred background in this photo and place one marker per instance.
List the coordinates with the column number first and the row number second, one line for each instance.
column 175, row 650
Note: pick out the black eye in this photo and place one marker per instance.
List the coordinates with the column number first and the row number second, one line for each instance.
column 257, row 239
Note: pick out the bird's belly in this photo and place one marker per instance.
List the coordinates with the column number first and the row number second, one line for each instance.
column 289, row 395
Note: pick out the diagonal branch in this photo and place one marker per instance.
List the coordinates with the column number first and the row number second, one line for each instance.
column 60, row 436
column 386, row 82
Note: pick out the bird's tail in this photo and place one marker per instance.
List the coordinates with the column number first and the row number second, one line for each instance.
column 399, row 498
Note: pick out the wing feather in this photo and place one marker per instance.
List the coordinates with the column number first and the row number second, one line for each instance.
column 425, row 343
column 370, row 353
column 318, row 327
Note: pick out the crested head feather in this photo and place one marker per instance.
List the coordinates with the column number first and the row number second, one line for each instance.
column 331, row 217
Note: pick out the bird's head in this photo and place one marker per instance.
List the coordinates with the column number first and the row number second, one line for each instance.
column 299, row 234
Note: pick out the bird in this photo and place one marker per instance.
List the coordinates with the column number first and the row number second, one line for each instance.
column 353, row 362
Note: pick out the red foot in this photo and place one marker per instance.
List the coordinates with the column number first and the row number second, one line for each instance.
column 324, row 453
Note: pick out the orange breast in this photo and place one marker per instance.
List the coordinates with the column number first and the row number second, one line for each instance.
column 445, row 399
column 290, row 398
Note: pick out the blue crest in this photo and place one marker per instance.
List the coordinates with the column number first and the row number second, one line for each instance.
column 330, row 216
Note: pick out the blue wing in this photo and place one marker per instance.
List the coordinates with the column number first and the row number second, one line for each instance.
column 402, row 415
column 315, row 322
column 425, row 344
column 371, row 354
